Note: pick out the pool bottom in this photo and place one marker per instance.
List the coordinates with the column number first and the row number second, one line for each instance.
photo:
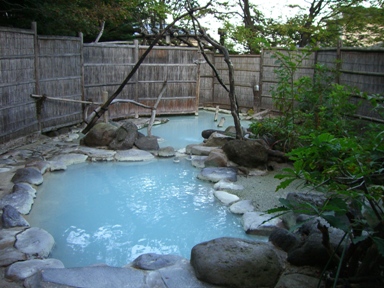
column 113, row 212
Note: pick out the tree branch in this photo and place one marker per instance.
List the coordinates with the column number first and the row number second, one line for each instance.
column 104, row 107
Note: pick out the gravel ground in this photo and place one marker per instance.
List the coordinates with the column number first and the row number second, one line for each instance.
column 261, row 190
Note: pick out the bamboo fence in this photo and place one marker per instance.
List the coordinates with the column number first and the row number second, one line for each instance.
column 106, row 66
column 74, row 76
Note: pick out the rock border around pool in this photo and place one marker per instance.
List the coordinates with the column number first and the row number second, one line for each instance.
column 26, row 264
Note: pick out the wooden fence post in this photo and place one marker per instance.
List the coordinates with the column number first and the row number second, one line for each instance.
column 82, row 71
column 39, row 104
column 106, row 114
column 198, row 63
column 136, row 58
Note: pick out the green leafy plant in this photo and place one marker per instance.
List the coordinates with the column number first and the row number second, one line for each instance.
column 307, row 104
column 350, row 173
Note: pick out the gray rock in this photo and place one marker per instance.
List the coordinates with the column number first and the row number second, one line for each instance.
column 133, row 155
column 216, row 158
column 95, row 154
column 58, row 166
column 198, row 161
column 8, row 237
column 181, row 275
column 29, row 175
column 246, row 153
column 297, row 281
column 207, row 133
column 101, row 134
column 90, row 277
column 24, row 187
column 316, row 199
column 25, row 269
column 310, row 252
column 11, row 255
column 126, row 136
column 215, row 174
column 201, row 150
column 242, row 207
column 152, row 261
column 217, row 139
column 12, row 218
column 284, row 239
column 227, row 185
column 21, row 200
column 35, row 242
column 70, row 159
column 168, row 151
column 42, row 166
column 176, row 275
column 147, row 143
column 260, row 223
column 236, row 262
column 225, row 197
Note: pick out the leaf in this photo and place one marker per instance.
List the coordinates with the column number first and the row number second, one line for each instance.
column 284, row 184
column 380, row 244
column 359, row 239
column 337, row 205
column 336, row 222
column 278, row 209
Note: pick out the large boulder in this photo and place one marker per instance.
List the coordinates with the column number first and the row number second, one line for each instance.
column 216, row 158
column 246, row 153
column 217, row 139
column 237, row 262
column 147, row 143
column 126, row 136
column 100, row 135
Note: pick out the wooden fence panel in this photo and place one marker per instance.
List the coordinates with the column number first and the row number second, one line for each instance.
column 60, row 77
column 176, row 65
column 246, row 76
column 17, row 82
column 63, row 67
column 206, row 80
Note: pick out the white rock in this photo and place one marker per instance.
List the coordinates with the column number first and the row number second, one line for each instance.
column 133, row 155
column 71, row 158
column 227, row 185
column 95, row 154
column 260, row 223
column 225, row 197
column 242, row 207
column 58, row 166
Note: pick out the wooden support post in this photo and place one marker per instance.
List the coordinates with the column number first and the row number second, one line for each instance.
column 197, row 89
column 106, row 114
column 221, row 123
column 39, row 104
column 136, row 58
column 153, row 111
column 216, row 113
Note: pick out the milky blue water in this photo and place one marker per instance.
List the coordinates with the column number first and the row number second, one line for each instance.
column 113, row 212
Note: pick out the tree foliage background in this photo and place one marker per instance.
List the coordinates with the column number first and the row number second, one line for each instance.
column 245, row 27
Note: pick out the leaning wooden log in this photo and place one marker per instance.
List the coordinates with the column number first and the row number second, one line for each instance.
column 104, row 107
column 153, row 112
column 45, row 97
column 231, row 71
